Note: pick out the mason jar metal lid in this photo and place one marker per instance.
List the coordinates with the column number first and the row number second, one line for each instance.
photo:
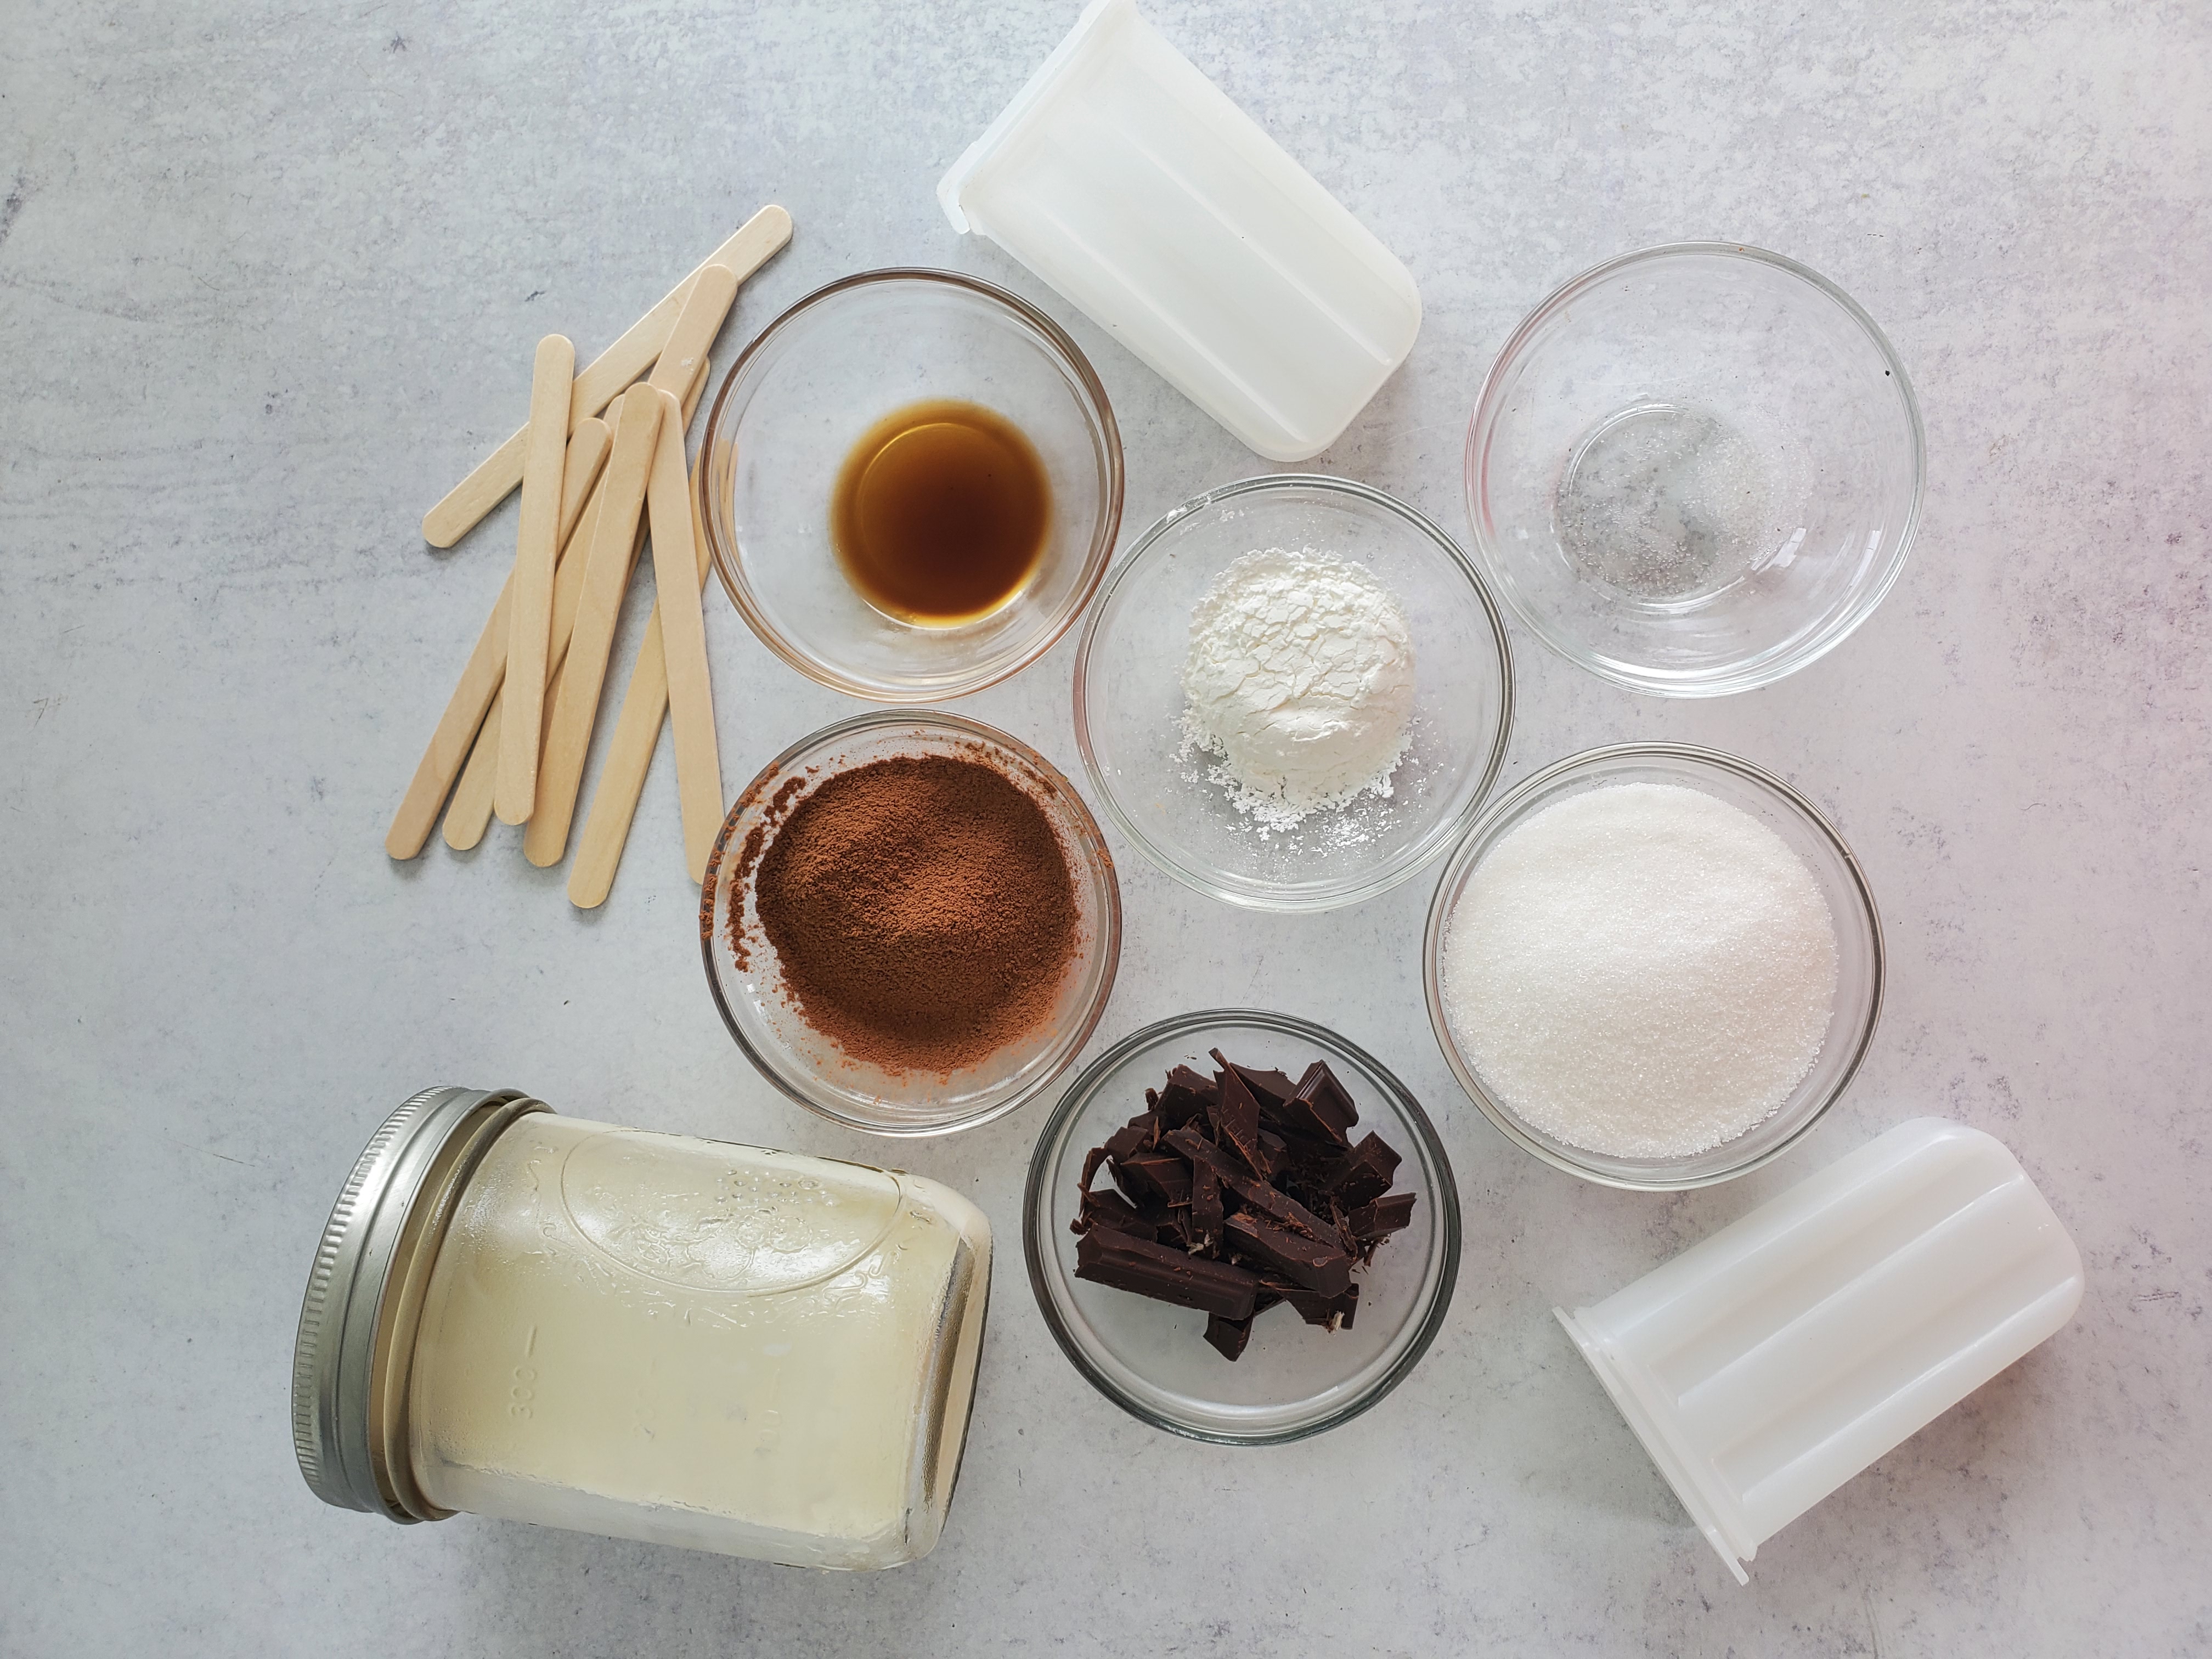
column 418, row 1160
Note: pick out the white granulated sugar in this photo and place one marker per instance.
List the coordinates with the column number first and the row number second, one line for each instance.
column 1642, row 971
column 1300, row 677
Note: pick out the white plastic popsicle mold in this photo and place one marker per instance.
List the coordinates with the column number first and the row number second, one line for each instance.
column 1768, row 1364
column 1133, row 185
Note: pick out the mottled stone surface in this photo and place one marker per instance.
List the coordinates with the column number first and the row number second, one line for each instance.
column 269, row 279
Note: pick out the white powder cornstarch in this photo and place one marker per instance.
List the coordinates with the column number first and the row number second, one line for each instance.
column 1642, row 971
column 1300, row 677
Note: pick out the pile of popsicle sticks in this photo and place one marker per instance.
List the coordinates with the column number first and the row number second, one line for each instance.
column 601, row 466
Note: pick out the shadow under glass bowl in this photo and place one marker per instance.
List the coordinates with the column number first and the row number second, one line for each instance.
column 1151, row 1358
column 1860, row 955
column 1129, row 700
column 811, row 1068
column 805, row 392
column 1695, row 468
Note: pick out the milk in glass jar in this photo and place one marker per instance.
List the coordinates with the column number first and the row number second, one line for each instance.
column 650, row 1336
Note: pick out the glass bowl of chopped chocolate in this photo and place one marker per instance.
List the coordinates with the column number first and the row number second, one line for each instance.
column 1240, row 1227
column 911, row 922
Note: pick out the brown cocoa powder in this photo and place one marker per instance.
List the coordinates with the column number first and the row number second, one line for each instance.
column 922, row 909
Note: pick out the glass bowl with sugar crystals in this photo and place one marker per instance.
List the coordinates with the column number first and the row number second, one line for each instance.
column 1695, row 468
column 1653, row 965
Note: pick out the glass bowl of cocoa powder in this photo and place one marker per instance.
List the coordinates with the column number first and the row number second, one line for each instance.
column 911, row 922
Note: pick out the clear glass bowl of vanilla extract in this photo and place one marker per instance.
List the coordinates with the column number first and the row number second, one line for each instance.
column 910, row 485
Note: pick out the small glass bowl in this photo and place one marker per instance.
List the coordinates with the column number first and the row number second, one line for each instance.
column 809, row 1067
column 1860, row 957
column 804, row 393
column 1129, row 700
column 1151, row 1358
column 1695, row 468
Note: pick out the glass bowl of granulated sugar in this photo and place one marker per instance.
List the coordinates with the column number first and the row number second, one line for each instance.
column 1294, row 693
column 1654, row 966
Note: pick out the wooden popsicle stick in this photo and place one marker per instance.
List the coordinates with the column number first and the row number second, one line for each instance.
column 568, row 584
column 750, row 247
column 629, row 757
column 587, row 453
column 575, row 705
column 560, row 663
column 468, row 708
column 529, row 611
column 691, row 403
column 470, row 813
column 594, row 454
column 698, row 386
column 713, row 290
column 449, row 745
column 683, row 642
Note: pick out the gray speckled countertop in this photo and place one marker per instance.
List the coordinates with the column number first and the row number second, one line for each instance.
column 269, row 278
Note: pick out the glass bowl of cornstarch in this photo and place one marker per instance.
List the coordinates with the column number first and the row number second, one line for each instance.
column 1654, row 966
column 1294, row 693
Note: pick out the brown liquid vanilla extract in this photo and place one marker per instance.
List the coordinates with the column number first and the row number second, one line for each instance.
column 941, row 512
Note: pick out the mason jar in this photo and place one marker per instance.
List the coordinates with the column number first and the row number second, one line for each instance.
column 650, row 1336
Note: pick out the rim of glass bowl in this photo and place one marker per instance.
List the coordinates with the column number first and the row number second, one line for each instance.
column 1503, row 813
column 721, row 537
column 1036, row 1215
column 1776, row 662
column 1097, row 856
column 1446, row 833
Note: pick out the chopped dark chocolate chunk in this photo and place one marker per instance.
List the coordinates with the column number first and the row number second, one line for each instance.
column 1129, row 1263
column 1282, row 1209
column 1236, row 1117
column 1179, row 1106
column 1329, row 1312
column 1195, row 1082
column 1366, row 1175
column 1140, row 1135
column 1307, row 1167
column 1151, row 1219
column 1205, row 1206
column 1199, row 1150
column 1385, row 1215
column 1271, row 1089
column 1161, row 1175
column 1166, row 1225
column 1109, row 1210
column 1135, row 1135
column 1229, row 1336
column 1315, row 1310
column 1308, row 1262
column 1319, row 1106
column 1138, row 1192
column 1237, row 1192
